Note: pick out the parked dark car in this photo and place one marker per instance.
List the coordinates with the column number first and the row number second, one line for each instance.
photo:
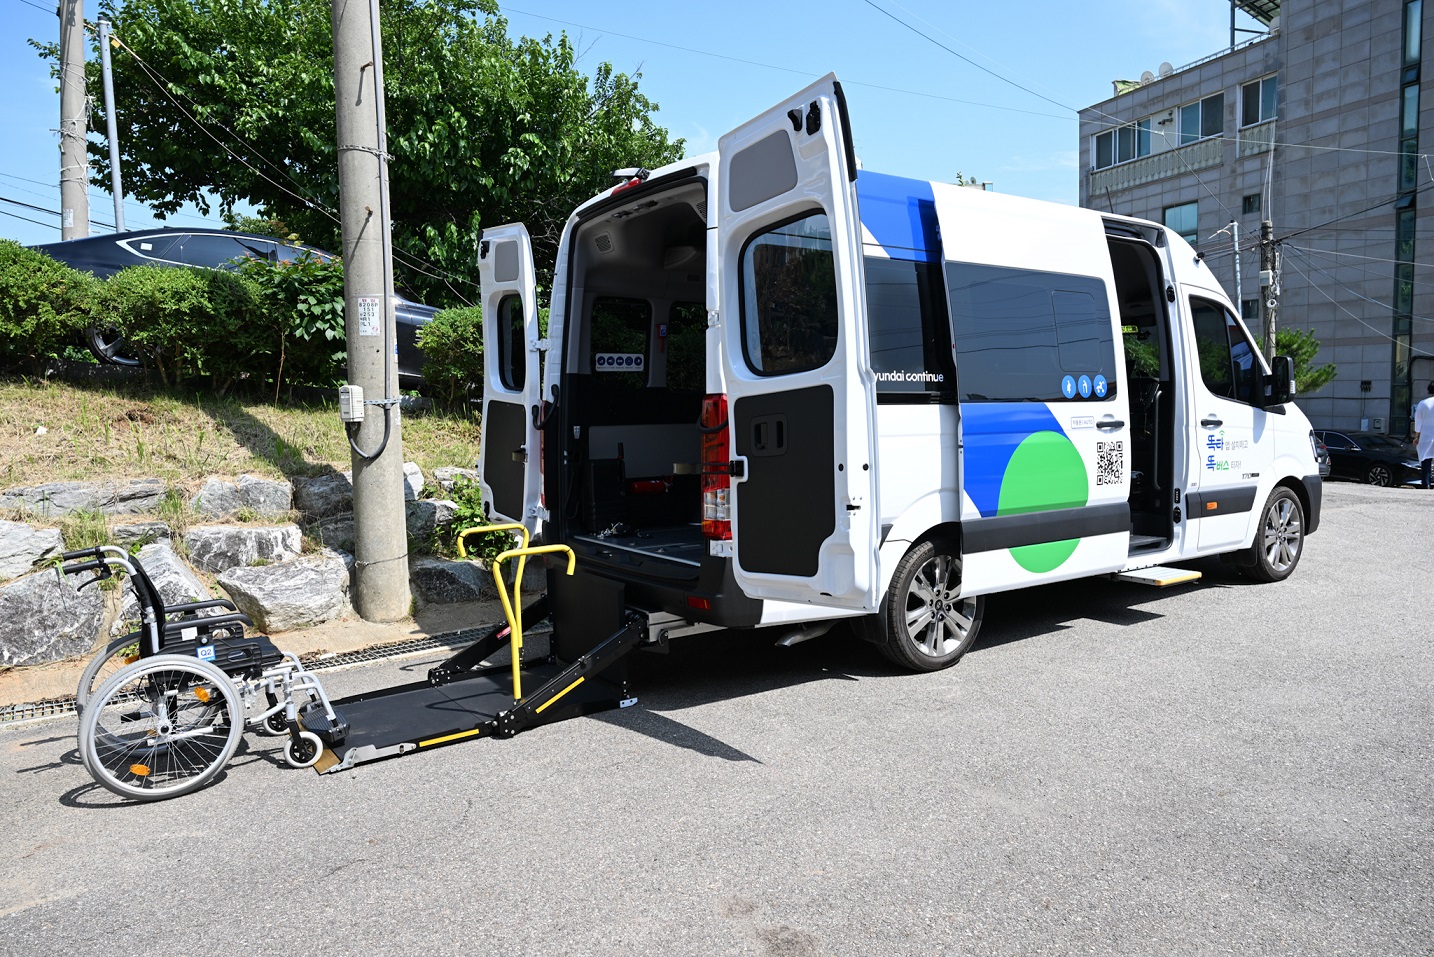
column 213, row 249
column 1371, row 457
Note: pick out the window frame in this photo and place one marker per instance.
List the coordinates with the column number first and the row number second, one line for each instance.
column 1139, row 133
column 1246, row 387
column 1210, row 114
column 749, row 324
column 1194, row 238
column 506, row 367
column 1259, row 85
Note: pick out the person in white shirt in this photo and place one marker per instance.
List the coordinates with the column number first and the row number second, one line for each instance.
column 1424, row 432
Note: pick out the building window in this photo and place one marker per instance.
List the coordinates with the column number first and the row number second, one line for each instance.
column 1249, row 310
column 1185, row 220
column 1259, row 101
column 1250, row 204
column 1204, row 119
column 1413, row 33
column 1409, row 138
column 1122, row 144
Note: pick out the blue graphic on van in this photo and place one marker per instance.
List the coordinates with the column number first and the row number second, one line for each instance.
column 991, row 433
column 1068, row 387
column 1084, row 386
column 900, row 214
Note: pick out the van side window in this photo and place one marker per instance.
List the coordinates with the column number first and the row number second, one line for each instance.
column 1021, row 334
column 1227, row 359
column 512, row 354
column 910, row 344
column 618, row 346
column 789, row 297
column 685, row 343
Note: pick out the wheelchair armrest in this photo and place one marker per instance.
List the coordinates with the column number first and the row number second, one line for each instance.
column 199, row 605
column 207, row 624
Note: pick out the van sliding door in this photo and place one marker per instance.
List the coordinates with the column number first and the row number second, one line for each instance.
column 508, row 456
column 793, row 329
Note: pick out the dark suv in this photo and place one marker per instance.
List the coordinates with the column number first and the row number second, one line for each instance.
column 212, row 249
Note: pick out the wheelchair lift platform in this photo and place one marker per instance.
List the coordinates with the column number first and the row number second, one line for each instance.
column 465, row 699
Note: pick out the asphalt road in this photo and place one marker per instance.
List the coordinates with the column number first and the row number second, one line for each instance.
column 1218, row 768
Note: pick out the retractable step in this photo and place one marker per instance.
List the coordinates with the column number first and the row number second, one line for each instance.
column 1158, row 575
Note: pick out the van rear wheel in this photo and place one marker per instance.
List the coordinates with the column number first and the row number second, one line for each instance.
column 924, row 624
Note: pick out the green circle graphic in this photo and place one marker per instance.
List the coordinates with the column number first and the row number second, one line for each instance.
column 1045, row 473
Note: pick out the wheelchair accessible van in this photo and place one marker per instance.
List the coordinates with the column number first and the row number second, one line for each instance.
column 162, row 709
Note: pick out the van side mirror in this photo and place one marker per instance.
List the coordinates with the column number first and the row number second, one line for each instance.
column 1280, row 384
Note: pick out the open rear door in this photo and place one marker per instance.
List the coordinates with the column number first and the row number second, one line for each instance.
column 508, row 459
column 798, row 378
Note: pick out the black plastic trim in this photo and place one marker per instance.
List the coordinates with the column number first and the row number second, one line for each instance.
column 1035, row 528
column 1230, row 501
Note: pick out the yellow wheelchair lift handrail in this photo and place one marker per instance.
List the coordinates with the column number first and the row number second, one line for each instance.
column 515, row 617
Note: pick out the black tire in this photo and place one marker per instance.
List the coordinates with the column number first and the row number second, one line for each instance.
column 1280, row 538
column 1379, row 474
column 306, row 752
column 108, row 346
column 122, row 651
column 923, row 624
column 161, row 727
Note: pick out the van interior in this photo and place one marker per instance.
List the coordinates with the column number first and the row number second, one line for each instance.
column 635, row 376
column 1150, row 384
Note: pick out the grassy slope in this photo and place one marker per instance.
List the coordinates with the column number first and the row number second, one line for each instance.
column 53, row 431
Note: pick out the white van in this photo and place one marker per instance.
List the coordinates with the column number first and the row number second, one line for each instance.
column 776, row 389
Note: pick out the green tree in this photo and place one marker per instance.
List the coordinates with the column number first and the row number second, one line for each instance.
column 1302, row 347
column 482, row 128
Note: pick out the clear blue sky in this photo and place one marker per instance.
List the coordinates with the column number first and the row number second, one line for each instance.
column 916, row 109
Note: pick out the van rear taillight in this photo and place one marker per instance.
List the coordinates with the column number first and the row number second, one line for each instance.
column 716, row 463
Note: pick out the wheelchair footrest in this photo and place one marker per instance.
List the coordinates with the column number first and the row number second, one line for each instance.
column 313, row 718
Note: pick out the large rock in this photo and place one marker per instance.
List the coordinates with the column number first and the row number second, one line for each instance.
column 438, row 581
column 135, row 532
column 447, row 476
column 21, row 546
column 43, row 618
column 173, row 579
column 62, row 498
column 265, row 497
column 337, row 531
column 300, row 593
column 218, row 548
column 426, row 516
column 331, row 494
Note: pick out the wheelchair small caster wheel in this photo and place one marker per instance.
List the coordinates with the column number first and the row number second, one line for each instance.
column 276, row 723
column 305, row 752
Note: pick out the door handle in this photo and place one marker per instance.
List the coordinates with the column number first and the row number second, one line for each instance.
column 1210, row 422
column 1110, row 425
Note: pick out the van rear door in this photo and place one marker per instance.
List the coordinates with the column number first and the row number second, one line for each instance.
column 793, row 334
column 508, row 456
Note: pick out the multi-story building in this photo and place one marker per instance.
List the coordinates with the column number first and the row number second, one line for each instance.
column 1315, row 126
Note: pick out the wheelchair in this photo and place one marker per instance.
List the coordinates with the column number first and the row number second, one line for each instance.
column 162, row 709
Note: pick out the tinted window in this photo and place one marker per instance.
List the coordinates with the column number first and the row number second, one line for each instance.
column 213, row 251
column 1019, row 334
column 789, row 297
column 1333, row 440
column 910, row 345
column 1227, row 360
column 618, row 345
column 684, row 339
column 512, row 356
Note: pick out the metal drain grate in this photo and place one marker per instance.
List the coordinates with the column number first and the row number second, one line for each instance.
column 451, row 641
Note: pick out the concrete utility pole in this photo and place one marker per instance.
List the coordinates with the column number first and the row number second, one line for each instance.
column 380, row 531
column 111, row 125
column 74, row 123
column 1269, row 283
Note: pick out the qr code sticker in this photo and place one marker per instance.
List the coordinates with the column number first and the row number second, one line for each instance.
column 1108, row 459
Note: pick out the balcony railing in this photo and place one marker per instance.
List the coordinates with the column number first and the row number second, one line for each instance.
column 1199, row 155
column 1257, row 139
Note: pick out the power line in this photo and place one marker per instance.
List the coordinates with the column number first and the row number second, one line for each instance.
column 52, row 212
column 42, row 9
column 5, row 212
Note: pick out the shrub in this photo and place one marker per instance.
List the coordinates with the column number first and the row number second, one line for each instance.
column 185, row 323
column 452, row 344
column 466, row 495
column 301, row 327
column 44, row 305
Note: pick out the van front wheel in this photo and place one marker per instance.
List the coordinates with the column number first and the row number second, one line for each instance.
column 1280, row 539
column 924, row 624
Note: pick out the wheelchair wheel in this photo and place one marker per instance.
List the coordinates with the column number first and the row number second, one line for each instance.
column 121, row 651
column 161, row 727
column 306, row 753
